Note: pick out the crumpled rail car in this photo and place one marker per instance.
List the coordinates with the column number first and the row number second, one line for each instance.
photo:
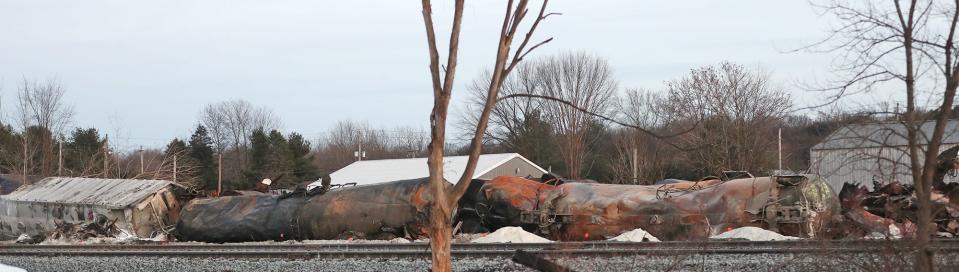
column 892, row 209
column 395, row 208
column 801, row 205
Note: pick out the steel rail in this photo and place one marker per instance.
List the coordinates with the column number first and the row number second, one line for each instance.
column 471, row 250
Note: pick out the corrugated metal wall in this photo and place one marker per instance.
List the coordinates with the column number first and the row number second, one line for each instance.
column 863, row 165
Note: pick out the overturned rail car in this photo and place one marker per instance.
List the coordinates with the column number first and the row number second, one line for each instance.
column 801, row 205
column 380, row 210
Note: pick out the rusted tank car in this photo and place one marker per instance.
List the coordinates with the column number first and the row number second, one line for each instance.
column 793, row 205
column 394, row 208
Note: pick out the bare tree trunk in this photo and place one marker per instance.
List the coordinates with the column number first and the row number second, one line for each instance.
column 443, row 200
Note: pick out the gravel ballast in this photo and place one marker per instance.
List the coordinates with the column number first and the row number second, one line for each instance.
column 692, row 262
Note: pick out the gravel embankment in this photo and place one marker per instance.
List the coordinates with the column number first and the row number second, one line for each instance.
column 723, row 262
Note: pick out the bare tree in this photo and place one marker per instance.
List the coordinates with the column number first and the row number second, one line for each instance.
column 912, row 42
column 507, row 117
column 583, row 80
column 42, row 115
column 738, row 112
column 638, row 158
column 587, row 82
column 442, row 82
column 516, row 125
column 230, row 124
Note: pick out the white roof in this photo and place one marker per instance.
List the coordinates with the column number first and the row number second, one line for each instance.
column 113, row 193
column 377, row 171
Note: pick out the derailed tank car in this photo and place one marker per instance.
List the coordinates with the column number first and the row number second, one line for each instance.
column 393, row 208
column 793, row 205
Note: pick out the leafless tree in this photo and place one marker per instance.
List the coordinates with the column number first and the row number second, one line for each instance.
column 638, row 158
column 583, row 80
column 337, row 147
column 442, row 82
column 587, row 82
column 738, row 112
column 42, row 114
column 507, row 118
column 910, row 42
column 230, row 124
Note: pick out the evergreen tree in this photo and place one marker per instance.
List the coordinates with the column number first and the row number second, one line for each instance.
column 83, row 152
column 280, row 163
column 10, row 148
column 175, row 147
column 259, row 159
column 302, row 159
column 201, row 151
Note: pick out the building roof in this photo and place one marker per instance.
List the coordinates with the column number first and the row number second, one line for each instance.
column 113, row 193
column 377, row 171
column 878, row 134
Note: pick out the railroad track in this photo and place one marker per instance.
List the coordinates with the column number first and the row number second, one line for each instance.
column 421, row 250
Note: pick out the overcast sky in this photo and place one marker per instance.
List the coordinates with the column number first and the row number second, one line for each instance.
column 142, row 70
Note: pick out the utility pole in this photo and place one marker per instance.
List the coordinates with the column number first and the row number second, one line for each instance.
column 174, row 168
column 780, row 144
column 106, row 155
column 25, row 159
column 219, row 174
column 635, row 167
column 60, row 157
column 141, row 160
column 359, row 154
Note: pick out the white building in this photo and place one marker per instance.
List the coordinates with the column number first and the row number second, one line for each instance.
column 489, row 166
column 873, row 151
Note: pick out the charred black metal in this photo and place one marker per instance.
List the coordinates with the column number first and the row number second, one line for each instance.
column 392, row 209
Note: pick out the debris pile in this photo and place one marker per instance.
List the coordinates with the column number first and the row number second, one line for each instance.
column 511, row 235
column 752, row 234
column 891, row 210
column 636, row 235
column 101, row 227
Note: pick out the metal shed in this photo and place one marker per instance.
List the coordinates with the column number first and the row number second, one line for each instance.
column 142, row 208
column 873, row 152
column 489, row 166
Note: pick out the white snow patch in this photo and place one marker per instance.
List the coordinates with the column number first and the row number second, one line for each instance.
column 636, row 235
column 752, row 234
column 7, row 268
column 399, row 240
column 894, row 234
column 511, row 235
column 23, row 238
column 124, row 236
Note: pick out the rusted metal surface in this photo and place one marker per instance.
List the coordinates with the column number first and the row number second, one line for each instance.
column 387, row 209
column 793, row 205
column 396, row 208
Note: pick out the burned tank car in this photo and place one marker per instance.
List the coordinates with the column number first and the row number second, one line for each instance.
column 793, row 205
column 466, row 216
column 392, row 208
column 239, row 219
column 509, row 201
column 382, row 210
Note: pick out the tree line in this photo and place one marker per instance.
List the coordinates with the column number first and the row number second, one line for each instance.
column 715, row 118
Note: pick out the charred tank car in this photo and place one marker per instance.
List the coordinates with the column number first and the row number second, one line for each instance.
column 377, row 211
